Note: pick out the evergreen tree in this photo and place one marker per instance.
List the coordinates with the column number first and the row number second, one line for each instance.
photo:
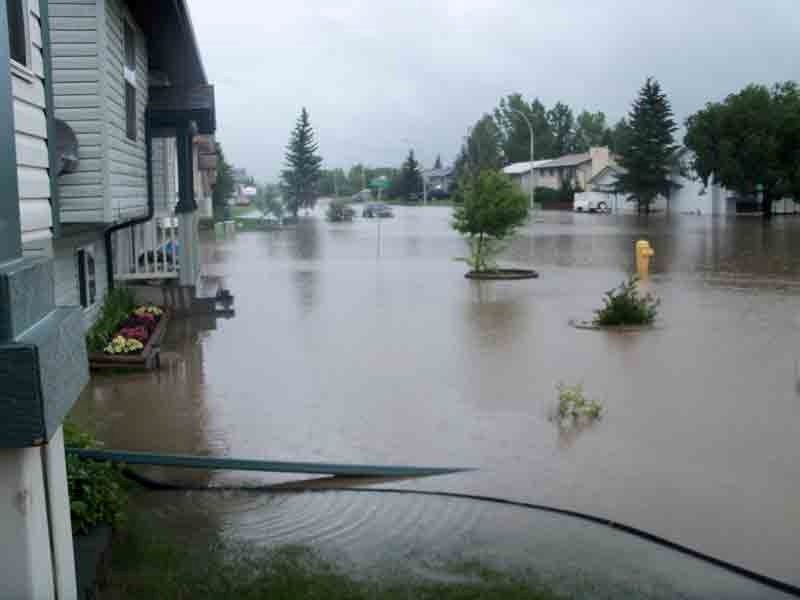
column 438, row 163
column 302, row 176
column 409, row 180
column 648, row 154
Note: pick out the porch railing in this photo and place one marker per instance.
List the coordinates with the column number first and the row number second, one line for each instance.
column 148, row 250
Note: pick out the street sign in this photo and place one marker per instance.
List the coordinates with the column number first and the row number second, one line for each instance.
column 381, row 182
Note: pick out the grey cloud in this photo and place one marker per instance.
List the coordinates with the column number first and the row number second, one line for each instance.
column 378, row 76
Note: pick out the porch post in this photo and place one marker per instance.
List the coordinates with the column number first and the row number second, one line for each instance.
column 187, row 207
column 43, row 367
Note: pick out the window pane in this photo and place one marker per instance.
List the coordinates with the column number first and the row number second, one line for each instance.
column 130, row 111
column 81, row 259
column 16, row 31
column 130, row 47
column 91, row 279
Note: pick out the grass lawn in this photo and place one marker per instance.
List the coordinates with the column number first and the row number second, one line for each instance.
column 147, row 565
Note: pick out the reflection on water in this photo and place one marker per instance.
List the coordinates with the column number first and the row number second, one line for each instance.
column 335, row 355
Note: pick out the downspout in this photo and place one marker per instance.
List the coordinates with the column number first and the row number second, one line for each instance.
column 148, row 144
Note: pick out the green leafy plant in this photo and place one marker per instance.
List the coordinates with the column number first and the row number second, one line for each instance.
column 491, row 210
column 574, row 408
column 117, row 306
column 98, row 491
column 624, row 305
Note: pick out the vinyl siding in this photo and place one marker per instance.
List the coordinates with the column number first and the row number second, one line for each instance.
column 31, row 142
column 74, row 31
column 127, row 169
column 66, row 268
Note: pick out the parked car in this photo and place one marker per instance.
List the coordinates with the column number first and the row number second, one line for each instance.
column 437, row 194
column 374, row 209
column 362, row 196
column 590, row 202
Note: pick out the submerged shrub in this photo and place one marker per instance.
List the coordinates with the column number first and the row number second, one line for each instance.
column 574, row 408
column 625, row 306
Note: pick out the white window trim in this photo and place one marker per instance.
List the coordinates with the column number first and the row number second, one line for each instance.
column 24, row 70
column 88, row 250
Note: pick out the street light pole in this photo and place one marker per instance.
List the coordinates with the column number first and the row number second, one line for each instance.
column 530, row 129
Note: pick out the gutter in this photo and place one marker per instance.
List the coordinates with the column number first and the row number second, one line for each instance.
column 148, row 142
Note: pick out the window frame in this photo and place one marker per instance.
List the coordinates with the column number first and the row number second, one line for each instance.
column 24, row 9
column 87, row 277
column 129, row 79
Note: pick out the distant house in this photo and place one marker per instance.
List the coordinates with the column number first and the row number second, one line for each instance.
column 438, row 179
column 554, row 173
column 688, row 194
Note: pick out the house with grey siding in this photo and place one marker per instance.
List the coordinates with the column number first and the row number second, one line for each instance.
column 128, row 82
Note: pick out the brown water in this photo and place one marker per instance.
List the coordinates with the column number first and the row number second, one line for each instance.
column 338, row 354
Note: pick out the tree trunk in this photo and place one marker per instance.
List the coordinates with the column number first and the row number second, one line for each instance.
column 766, row 205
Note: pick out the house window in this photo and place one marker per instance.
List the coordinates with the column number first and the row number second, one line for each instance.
column 129, row 74
column 130, row 111
column 87, row 277
column 17, row 31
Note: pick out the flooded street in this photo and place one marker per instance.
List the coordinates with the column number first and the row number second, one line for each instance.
column 347, row 349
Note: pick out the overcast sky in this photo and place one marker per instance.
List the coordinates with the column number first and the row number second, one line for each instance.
column 379, row 76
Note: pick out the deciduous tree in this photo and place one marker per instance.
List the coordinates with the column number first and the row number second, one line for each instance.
column 750, row 142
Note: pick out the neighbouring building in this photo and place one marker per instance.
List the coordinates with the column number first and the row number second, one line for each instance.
column 130, row 88
column 440, row 180
column 554, row 173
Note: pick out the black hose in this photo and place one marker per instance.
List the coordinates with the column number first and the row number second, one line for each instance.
column 771, row 582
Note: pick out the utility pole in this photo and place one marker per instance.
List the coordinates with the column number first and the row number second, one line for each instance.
column 532, row 173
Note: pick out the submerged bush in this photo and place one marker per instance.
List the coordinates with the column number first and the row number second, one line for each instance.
column 625, row 306
column 339, row 210
column 574, row 408
column 117, row 306
column 97, row 490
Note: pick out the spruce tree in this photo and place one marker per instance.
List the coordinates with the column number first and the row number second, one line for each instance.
column 302, row 176
column 410, row 178
column 649, row 149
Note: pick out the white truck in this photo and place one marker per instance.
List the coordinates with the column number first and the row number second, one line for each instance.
column 590, row 202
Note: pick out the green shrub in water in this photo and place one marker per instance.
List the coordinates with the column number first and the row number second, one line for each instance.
column 117, row 306
column 97, row 490
column 574, row 407
column 625, row 306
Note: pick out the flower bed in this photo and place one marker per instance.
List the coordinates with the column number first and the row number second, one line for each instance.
column 134, row 341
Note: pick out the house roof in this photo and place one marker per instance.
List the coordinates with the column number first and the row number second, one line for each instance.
column 171, row 42
column 615, row 169
column 569, row 160
column 443, row 172
column 520, row 168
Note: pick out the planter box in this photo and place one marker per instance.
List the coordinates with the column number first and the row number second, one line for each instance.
column 148, row 358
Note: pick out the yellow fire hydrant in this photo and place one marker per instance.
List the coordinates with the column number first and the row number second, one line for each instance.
column 643, row 255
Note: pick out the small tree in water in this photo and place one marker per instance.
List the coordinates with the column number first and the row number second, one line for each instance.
column 491, row 211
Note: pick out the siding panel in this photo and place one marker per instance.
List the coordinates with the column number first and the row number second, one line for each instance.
column 30, row 125
column 127, row 168
column 74, row 34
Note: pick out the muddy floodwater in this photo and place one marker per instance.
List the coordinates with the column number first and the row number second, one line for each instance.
column 347, row 347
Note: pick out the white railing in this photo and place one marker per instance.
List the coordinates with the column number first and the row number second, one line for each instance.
column 148, row 250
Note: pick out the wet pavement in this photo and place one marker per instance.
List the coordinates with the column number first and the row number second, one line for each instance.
column 347, row 347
